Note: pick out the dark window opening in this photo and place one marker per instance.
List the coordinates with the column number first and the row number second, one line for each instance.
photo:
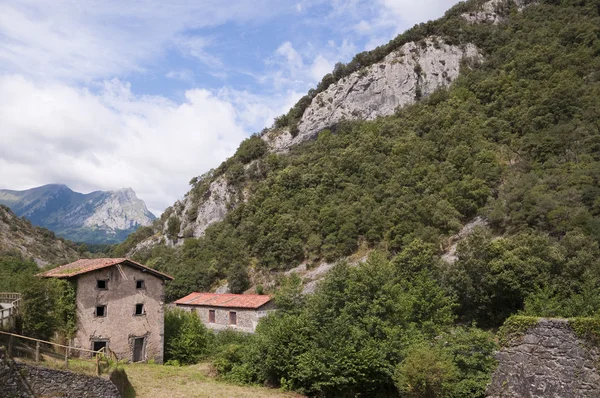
column 232, row 318
column 98, row 345
column 139, row 284
column 139, row 309
column 101, row 310
column 211, row 316
column 101, row 284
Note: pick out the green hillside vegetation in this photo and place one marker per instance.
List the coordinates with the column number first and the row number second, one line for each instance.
column 18, row 237
column 516, row 140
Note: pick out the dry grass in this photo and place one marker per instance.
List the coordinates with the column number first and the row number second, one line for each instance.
column 189, row 381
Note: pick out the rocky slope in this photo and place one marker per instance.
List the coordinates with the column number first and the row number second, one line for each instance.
column 404, row 76
column 97, row 217
column 18, row 235
column 413, row 72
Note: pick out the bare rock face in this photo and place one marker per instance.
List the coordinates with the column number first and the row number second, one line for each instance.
column 549, row 361
column 450, row 255
column 488, row 13
column 212, row 208
column 404, row 76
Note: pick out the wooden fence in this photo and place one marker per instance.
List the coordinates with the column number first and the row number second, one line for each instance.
column 12, row 303
column 100, row 355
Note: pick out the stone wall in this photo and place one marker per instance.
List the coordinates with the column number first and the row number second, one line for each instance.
column 18, row 380
column 247, row 319
column 12, row 384
column 548, row 361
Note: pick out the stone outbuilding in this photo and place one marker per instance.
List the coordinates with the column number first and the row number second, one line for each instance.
column 228, row 311
column 120, row 306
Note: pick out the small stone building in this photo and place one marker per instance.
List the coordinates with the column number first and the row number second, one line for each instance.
column 228, row 311
column 119, row 306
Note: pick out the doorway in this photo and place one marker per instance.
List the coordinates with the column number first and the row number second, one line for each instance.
column 138, row 349
column 98, row 345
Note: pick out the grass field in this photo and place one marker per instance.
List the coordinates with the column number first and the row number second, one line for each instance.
column 150, row 381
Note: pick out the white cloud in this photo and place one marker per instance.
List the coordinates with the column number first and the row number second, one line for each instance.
column 87, row 40
column 184, row 75
column 392, row 17
column 56, row 133
column 197, row 47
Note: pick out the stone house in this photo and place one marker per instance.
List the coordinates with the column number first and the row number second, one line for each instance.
column 228, row 311
column 119, row 306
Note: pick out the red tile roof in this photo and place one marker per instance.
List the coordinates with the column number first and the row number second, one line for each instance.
column 87, row 265
column 225, row 300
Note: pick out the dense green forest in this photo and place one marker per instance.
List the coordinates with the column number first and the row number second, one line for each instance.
column 515, row 139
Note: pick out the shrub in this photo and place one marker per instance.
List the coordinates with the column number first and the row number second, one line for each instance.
column 187, row 340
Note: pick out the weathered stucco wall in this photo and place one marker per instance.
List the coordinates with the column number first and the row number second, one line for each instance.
column 18, row 380
column 548, row 361
column 247, row 319
column 121, row 326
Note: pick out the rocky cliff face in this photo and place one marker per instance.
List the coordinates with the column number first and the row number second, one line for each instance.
column 490, row 11
column 97, row 217
column 207, row 210
column 403, row 77
column 548, row 361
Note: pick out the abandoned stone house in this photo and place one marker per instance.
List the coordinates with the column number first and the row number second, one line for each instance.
column 119, row 306
column 228, row 311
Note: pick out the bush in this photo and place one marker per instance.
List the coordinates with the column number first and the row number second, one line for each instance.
column 425, row 373
column 251, row 149
column 187, row 340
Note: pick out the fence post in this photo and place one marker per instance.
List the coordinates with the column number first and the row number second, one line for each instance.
column 37, row 351
column 67, row 355
column 10, row 344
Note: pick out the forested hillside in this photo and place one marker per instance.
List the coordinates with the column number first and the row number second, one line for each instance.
column 515, row 139
column 18, row 237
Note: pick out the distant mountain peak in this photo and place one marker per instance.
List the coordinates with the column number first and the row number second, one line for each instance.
column 97, row 217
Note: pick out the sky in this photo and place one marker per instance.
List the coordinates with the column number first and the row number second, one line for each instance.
column 102, row 95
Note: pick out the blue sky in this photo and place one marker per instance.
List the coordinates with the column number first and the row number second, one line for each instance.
column 147, row 94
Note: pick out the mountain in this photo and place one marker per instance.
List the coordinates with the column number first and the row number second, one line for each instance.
column 21, row 237
column 488, row 114
column 97, row 217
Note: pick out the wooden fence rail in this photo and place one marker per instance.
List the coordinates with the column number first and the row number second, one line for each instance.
column 9, row 297
column 101, row 353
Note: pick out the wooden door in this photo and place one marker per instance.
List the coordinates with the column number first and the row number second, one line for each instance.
column 138, row 349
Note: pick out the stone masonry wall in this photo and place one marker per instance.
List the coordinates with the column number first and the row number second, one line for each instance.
column 549, row 361
column 18, row 380
column 247, row 319
column 121, row 326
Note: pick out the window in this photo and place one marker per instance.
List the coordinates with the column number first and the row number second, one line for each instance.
column 211, row 316
column 139, row 284
column 101, row 310
column 101, row 284
column 139, row 309
column 232, row 318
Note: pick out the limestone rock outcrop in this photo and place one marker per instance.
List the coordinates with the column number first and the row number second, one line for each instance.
column 404, row 76
column 489, row 11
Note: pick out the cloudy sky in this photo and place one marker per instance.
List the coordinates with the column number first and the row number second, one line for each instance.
column 147, row 94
